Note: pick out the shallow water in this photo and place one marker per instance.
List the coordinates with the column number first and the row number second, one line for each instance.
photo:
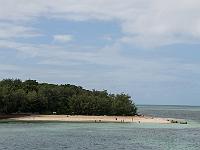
column 112, row 136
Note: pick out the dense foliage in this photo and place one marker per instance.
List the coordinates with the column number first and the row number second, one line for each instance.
column 33, row 97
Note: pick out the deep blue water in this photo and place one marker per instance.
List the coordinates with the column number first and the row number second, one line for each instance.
column 111, row 136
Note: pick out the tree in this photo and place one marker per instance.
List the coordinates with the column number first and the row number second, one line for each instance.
column 33, row 97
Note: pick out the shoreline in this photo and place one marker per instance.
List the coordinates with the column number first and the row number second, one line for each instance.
column 87, row 119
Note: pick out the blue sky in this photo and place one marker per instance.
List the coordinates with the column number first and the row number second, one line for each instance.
column 148, row 49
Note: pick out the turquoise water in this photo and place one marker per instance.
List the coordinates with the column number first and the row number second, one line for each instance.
column 111, row 136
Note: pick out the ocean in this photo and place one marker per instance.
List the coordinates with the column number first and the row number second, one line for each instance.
column 111, row 136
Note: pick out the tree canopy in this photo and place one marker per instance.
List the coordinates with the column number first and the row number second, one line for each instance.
column 30, row 96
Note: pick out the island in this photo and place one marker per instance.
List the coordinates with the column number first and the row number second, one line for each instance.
column 32, row 101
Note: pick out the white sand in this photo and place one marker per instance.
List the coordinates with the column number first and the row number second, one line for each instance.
column 82, row 118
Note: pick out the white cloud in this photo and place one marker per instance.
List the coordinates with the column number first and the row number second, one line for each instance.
column 122, row 69
column 107, row 68
column 8, row 67
column 144, row 22
column 8, row 30
column 63, row 38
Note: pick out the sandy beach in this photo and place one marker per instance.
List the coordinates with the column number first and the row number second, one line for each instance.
column 97, row 119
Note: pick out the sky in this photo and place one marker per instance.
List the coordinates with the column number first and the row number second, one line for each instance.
column 149, row 49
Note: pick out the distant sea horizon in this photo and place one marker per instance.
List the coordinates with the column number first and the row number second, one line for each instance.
column 188, row 113
column 187, row 105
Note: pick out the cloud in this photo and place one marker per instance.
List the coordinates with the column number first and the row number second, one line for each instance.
column 145, row 78
column 8, row 30
column 120, row 68
column 8, row 67
column 63, row 38
column 144, row 23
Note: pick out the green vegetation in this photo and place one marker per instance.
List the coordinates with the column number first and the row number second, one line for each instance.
column 33, row 97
